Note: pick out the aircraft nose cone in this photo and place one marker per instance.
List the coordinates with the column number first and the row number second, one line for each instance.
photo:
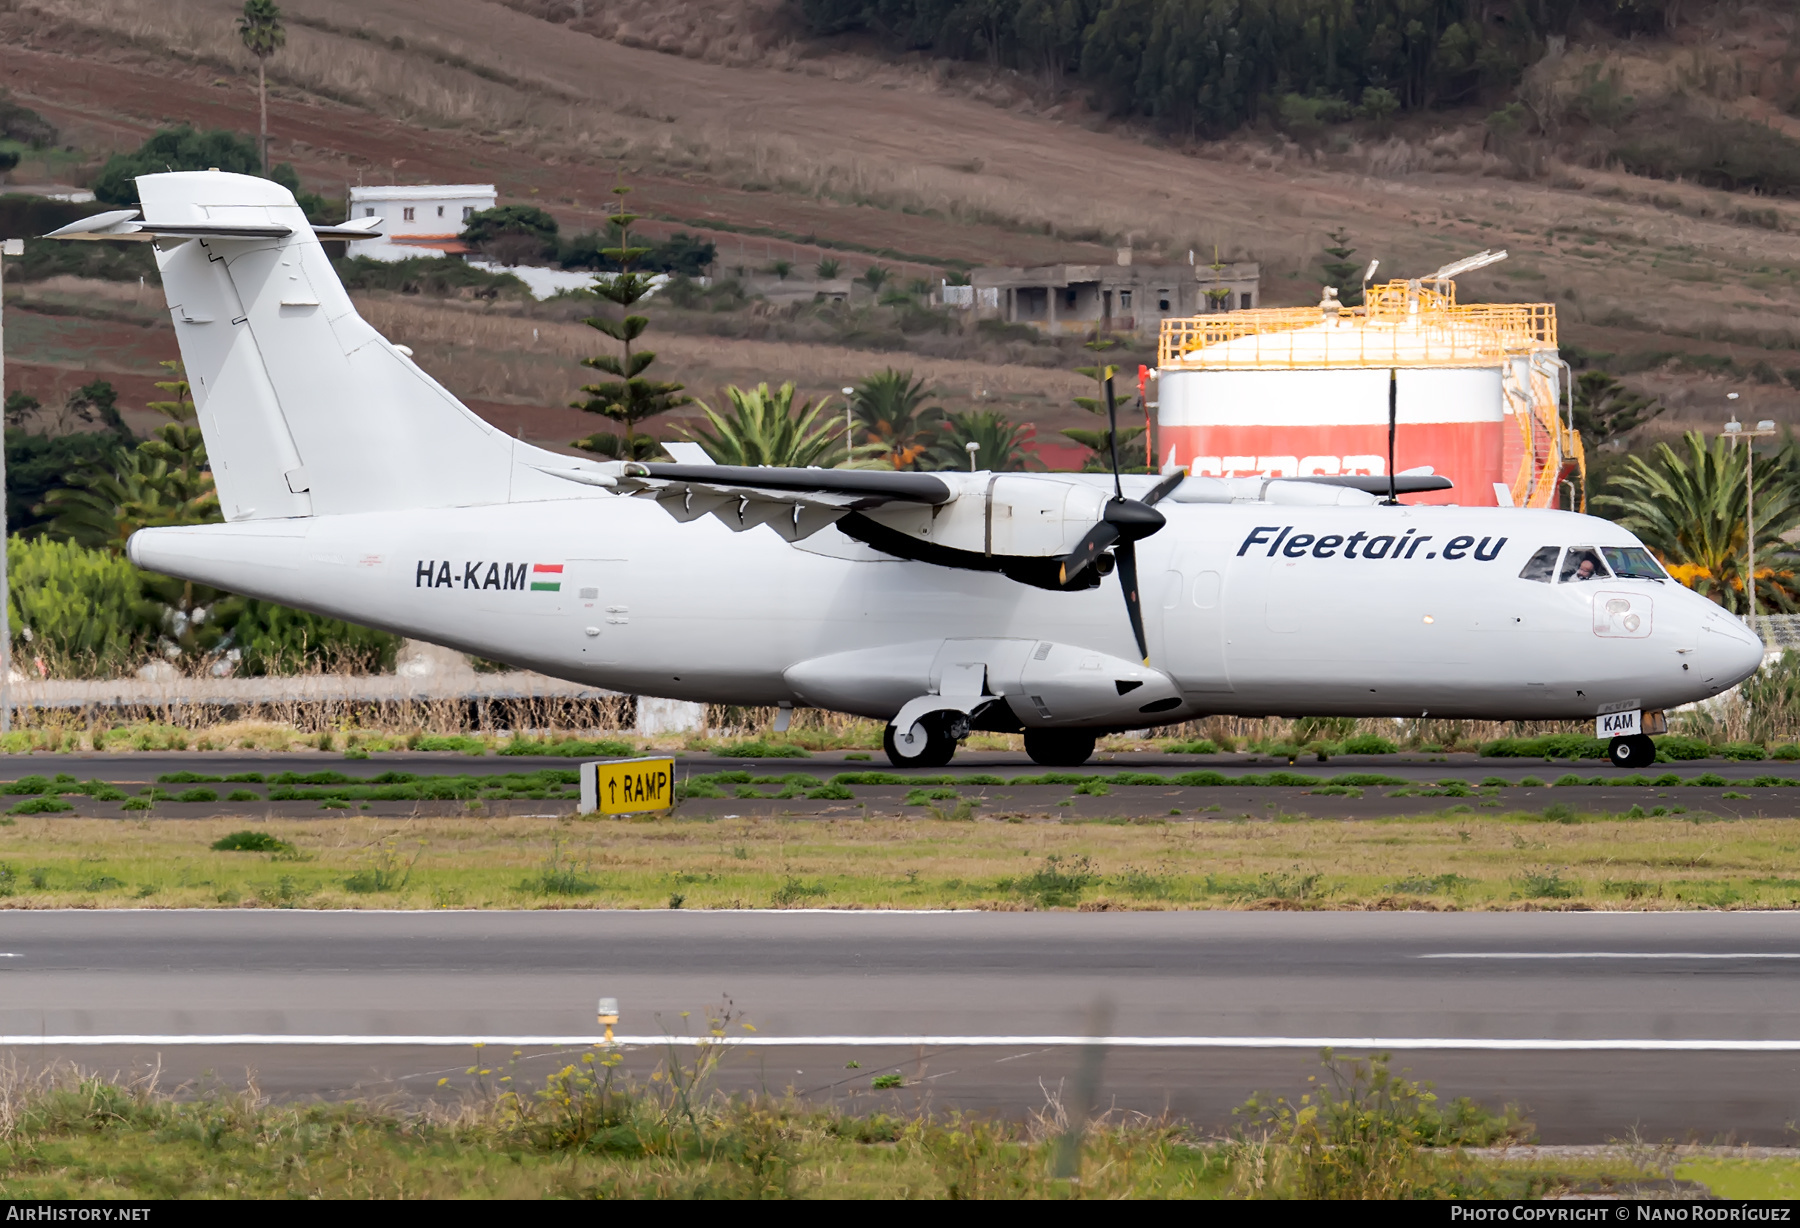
column 1133, row 519
column 1729, row 651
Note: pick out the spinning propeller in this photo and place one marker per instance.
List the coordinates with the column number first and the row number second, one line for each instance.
column 1122, row 524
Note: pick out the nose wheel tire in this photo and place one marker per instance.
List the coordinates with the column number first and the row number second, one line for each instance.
column 1059, row 747
column 1636, row 751
column 930, row 743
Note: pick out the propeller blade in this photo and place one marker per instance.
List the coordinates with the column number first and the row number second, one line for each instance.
column 1097, row 540
column 1126, row 556
column 1164, row 488
column 1112, row 436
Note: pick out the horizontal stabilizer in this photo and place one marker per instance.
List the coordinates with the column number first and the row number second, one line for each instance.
column 119, row 224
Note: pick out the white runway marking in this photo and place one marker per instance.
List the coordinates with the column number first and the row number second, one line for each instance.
column 1612, row 955
column 1486, row 1044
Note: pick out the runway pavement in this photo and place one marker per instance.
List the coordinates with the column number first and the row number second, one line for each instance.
column 1675, row 1025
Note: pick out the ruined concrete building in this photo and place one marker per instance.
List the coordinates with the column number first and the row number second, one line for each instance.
column 1120, row 297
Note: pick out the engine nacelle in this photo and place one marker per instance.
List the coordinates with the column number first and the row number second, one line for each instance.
column 1017, row 515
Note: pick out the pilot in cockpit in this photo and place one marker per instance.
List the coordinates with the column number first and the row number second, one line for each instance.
column 1581, row 563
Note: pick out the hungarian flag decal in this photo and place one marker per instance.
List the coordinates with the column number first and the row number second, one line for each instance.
column 546, row 577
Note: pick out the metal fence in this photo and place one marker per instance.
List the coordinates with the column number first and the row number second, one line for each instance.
column 1779, row 631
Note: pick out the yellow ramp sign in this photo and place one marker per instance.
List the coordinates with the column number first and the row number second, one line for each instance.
column 627, row 786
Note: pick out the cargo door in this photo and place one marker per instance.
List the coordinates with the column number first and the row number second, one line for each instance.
column 1192, row 622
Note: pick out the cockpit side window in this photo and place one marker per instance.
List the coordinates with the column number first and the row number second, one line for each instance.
column 1633, row 563
column 1581, row 563
column 1542, row 565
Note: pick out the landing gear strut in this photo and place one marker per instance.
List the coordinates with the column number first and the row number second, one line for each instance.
column 1059, row 747
column 929, row 743
column 1636, row 751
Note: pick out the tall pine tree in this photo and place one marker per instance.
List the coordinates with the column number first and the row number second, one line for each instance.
column 627, row 398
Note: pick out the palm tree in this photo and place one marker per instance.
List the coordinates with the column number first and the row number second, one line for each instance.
column 766, row 428
column 893, row 417
column 828, row 269
column 102, row 510
column 875, row 276
column 1002, row 443
column 1690, row 510
column 260, row 28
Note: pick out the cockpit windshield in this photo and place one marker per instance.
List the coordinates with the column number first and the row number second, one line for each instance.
column 1542, row 565
column 1581, row 563
column 1633, row 563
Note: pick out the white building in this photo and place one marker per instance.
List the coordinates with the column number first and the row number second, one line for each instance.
column 421, row 220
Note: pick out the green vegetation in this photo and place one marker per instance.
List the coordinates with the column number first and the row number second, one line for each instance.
column 1690, row 509
column 261, row 32
column 767, row 428
column 251, row 842
column 895, row 423
column 607, row 1123
column 77, row 605
column 79, row 609
column 1000, row 443
column 186, row 148
column 1216, row 64
column 681, row 254
column 442, row 276
column 627, row 398
column 512, row 234
column 970, row 849
column 1101, row 442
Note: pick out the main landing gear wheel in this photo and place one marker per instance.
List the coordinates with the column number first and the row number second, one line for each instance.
column 1059, row 747
column 1636, row 751
column 929, row 743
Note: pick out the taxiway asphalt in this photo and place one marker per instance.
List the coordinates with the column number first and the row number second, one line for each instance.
column 146, row 766
column 1598, row 1024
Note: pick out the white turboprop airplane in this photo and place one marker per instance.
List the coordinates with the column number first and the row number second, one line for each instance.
column 354, row 485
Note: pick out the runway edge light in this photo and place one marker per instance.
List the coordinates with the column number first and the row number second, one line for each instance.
column 609, row 1015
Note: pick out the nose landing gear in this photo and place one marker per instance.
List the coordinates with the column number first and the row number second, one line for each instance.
column 1636, row 751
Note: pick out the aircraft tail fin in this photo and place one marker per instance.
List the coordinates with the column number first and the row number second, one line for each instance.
column 305, row 408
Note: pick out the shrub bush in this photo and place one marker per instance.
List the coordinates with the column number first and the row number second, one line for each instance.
column 1368, row 744
column 1550, row 746
column 1677, row 748
column 440, row 276
column 248, row 841
column 275, row 639
column 83, row 610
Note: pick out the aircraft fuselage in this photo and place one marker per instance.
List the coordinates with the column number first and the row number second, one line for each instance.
column 1250, row 609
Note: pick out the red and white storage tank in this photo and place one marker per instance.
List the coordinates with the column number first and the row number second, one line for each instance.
column 1480, row 393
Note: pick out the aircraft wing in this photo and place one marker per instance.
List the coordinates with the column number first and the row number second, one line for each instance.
column 796, row 503
column 1404, row 483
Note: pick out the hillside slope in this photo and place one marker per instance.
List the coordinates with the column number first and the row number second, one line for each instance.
column 387, row 90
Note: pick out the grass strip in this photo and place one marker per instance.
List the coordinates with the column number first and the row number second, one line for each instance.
column 935, row 857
